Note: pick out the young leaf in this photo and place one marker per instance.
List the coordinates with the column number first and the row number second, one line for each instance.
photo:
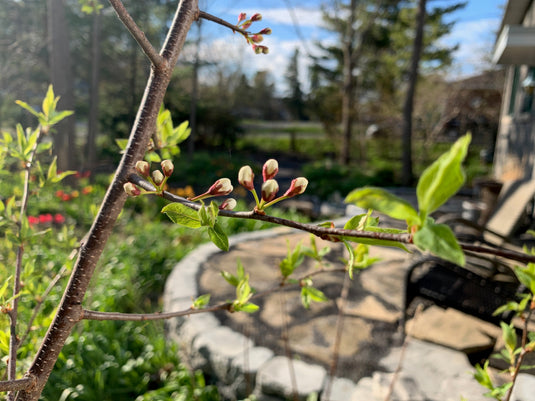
column 526, row 275
column 509, row 338
column 183, row 215
column 439, row 240
column 443, row 178
column 292, row 261
column 230, row 278
column 249, row 307
column 201, row 301
column 218, row 237
column 383, row 201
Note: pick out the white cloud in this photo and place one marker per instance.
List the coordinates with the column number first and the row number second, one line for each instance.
column 305, row 17
column 476, row 40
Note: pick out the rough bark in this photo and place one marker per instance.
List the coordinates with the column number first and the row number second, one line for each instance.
column 70, row 309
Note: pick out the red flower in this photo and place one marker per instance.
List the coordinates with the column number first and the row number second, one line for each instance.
column 87, row 190
column 59, row 218
column 32, row 220
column 45, row 218
column 65, row 197
column 60, row 193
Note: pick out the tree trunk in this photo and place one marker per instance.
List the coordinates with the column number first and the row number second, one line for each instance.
column 194, row 92
column 92, row 126
column 348, row 91
column 62, row 80
column 407, row 173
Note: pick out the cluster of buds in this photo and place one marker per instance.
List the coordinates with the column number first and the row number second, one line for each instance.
column 253, row 38
column 270, row 187
column 157, row 178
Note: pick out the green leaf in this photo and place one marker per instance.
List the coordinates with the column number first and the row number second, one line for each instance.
column 443, row 178
column 247, row 308
column 383, row 201
column 351, row 260
column 153, row 157
column 183, row 215
column 292, row 260
column 509, row 338
column 3, row 289
column 230, row 278
column 58, row 116
column 49, row 102
column 218, row 237
column 201, row 301
column 121, row 142
column 482, row 376
column 526, row 275
column 27, row 107
column 440, row 241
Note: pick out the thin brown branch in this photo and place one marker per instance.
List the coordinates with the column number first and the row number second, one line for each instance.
column 17, row 385
column 156, row 59
column 139, row 317
column 332, row 233
column 217, row 20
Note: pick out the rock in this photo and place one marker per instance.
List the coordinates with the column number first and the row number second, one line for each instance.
column 219, row 347
column 378, row 386
column 316, row 337
column 453, row 329
column 524, row 389
column 274, row 378
column 246, row 367
column 341, row 390
column 438, row 372
column 370, row 308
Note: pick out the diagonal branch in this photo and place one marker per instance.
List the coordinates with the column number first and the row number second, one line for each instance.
column 156, row 59
column 217, row 20
column 70, row 309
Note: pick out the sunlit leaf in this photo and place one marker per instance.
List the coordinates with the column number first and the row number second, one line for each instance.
column 440, row 241
column 183, row 215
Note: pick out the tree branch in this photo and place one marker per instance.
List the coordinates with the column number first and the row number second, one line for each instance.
column 217, row 20
column 332, row 233
column 156, row 59
column 139, row 317
column 17, row 385
column 70, row 310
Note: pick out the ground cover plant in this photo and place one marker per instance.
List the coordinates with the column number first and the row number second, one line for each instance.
column 154, row 137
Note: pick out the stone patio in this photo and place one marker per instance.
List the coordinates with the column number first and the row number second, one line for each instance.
column 248, row 353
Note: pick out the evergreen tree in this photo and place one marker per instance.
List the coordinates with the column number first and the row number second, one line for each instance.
column 295, row 100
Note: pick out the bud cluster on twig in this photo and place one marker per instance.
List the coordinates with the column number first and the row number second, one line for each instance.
column 253, row 38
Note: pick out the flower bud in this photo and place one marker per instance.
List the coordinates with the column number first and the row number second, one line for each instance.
column 270, row 169
column 131, row 189
column 143, row 168
column 167, row 167
column 269, row 190
column 221, row 187
column 265, row 49
column 256, row 17
column 265, row 31
column 157, row 177
column 246, row 177
column 297, row 187
column 257, row 49
column 228, row 204
column 241, row 17
column 257, row 38
column 246, row 25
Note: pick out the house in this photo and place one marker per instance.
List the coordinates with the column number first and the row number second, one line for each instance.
column 515, row 49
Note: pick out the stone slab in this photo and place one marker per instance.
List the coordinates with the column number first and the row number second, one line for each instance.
column 274, row 378
column 453, row 329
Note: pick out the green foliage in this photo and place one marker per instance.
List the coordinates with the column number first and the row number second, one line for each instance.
column 438, row 183
column 293, row 259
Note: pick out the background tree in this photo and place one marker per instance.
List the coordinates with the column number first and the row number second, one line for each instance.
column 295, row 100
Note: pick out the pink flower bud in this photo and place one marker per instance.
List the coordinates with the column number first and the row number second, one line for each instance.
column 257, row 49
column 131, row 189
column 143, row 168
column 269, row 190
column 265, row 31
column 257, row 38
column 265, row 49
column 221, row 187
column 228, row 204
column 167, row 167
column 297, row 187
column 241, row 17
column 157, row 177
column 246, row 177
column 270, row 169
column 246, row 25
column 256, row 17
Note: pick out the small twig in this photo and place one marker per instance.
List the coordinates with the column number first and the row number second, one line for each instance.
column 521, row 356
column 217, row 20
column 155, row 58
column 139, row 317
column 17, row 385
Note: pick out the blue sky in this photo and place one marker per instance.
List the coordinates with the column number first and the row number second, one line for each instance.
column 297, row 23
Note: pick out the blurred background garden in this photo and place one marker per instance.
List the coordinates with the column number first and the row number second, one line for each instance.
column 237, row 117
